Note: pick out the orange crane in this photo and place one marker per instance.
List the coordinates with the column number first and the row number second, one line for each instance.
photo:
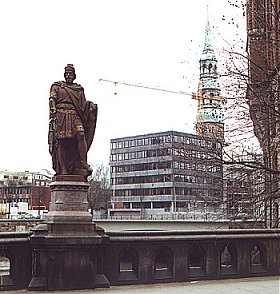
column 199, row 96
column 194, row 95
column 146, row 87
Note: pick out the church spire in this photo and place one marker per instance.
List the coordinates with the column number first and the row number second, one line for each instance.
column 208, row 36
column 208, row 63
column 210, row 104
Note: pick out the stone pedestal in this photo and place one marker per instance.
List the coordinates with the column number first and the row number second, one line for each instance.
column 69, row 200
column 68, row 246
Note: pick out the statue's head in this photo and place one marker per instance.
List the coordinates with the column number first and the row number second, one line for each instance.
column 69, row 74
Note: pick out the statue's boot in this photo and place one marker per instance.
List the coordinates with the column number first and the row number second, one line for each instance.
column 86, row 166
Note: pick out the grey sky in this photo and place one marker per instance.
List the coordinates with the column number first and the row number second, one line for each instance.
column 153, row 42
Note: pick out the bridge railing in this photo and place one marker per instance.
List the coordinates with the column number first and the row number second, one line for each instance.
column 143, row 257
column 149, row 257
column 15, row 260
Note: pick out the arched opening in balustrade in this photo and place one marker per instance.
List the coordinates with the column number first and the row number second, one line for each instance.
column 228, row 260
column 5, row 265
column 258, row 258
column 5, row 270
column 163, row 264
column 128, row 264
column 196, row 261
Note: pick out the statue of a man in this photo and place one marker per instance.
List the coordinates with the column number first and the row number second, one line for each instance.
column 72, row 126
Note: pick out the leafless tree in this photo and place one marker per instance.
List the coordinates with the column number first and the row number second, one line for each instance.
column 99, row 191
column 251, row 77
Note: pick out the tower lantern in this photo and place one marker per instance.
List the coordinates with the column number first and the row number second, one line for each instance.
column 210, row 104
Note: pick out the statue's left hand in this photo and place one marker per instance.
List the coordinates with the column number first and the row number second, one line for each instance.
column 92, row 107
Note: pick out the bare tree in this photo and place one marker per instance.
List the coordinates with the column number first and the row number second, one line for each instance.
column 99, row 191
column 251, row 75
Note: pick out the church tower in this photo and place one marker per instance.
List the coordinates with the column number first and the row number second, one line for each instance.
column 210, row 104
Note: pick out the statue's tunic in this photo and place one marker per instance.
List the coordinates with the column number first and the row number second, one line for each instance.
column 73, row 114
column 69, row 122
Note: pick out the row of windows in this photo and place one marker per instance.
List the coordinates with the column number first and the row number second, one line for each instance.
column 186, row 205
column 16, row 200
column 154, row 205
column 143, row 192
column 176, row 165
column 16, row 190
column 207, row 167
column 165, row 178
column 41, row 183
column 211, row 102
column 210, row 67
column 10, row 177
column 168, row 191
column 140, row 154
column 166, row 165
column 141, row 167
column 186, row 154
column 153, row 179
column 164, row 139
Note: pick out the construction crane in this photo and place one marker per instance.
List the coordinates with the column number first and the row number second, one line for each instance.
column 194, row 95
column 199, row 96
column 146, row 87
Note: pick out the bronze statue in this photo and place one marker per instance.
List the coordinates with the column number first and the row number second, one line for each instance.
column 72, row 126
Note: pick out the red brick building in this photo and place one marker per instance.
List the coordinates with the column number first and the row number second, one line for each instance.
column 263, row 30
column 25, row 191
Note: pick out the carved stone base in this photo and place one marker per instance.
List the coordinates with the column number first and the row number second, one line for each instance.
column 69, row 200
column 62, row 260
column 68, row 247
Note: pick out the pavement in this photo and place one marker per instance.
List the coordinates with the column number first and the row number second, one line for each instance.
column 258, row 285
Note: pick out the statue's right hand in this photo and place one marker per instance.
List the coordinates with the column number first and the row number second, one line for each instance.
column 53, row 110
column 52, row 105
column 52, row 114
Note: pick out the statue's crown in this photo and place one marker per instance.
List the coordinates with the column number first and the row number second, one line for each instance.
column 70, row 66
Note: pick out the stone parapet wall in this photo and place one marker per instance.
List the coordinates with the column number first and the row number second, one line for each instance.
column 150, row 257
column 145, row 257
column 18, row 225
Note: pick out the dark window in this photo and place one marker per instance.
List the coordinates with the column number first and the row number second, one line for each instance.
column 163, row 263
column 196, row 261
column 128, row 264
column 196, row 257
column 126, row 144
column 139, row 142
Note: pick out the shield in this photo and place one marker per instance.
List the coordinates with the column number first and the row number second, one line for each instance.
column 91, row 114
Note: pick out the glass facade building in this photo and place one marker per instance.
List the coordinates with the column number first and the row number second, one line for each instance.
column 166, row 172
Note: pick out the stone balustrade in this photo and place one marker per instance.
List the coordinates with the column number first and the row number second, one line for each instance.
column 145, row 257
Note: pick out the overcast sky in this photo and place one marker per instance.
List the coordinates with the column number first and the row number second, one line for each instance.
column 155, row 43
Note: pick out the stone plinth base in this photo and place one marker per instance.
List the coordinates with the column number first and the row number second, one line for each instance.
column 67, row 249
column 68, row 216
column 67, row 256
column 69, row 200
